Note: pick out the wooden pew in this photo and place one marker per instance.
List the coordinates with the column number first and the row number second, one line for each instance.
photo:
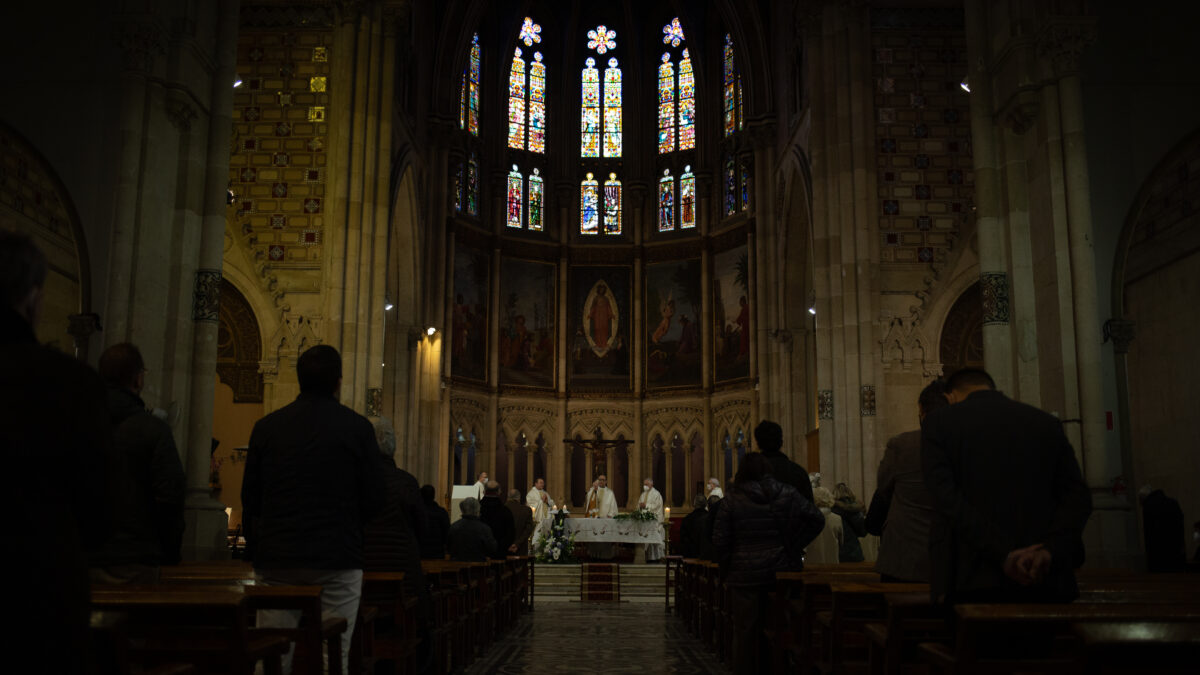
column 842, row 640
column 1013, row 625
column 799, row 597
column 108, row 637
column 208, row 627
column 384, row 593
column 1143, row 647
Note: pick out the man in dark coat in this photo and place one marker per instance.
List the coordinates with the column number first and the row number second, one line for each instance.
column 312, row 481
column 902, row 508
column 148, row 476
column 437, row 524
column 55, row 438
column 1162, row 526
column 496, row 515
column 1010, row 503
column 694, row 527
column 769, row 437
column 522, row 522
column 470, row 539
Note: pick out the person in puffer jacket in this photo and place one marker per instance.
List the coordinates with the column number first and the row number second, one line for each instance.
column 761, row 528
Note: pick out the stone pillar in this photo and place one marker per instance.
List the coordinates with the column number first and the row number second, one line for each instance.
column 207, row 525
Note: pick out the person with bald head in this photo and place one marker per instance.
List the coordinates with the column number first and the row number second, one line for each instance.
column 496, row 515
column 601, row 503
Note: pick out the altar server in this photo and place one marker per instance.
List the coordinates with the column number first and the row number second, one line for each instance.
column 652, row 500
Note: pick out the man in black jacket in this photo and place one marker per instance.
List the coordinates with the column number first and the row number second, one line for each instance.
column 469, row 538
column 1009, row 501
column 496, row 515
column 148, row 479
column 769, row 437
column 54, row 439
column 522, row 522
column 437, row 523
column 312, row 481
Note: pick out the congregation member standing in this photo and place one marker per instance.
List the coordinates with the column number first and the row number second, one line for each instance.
column 769, row 437
column 55, row 438
column 469, row 538
column 148, row 481
column 902, row 509
column 854, row 523
column 692, row 529
column 437, row 524
column 1010, row 504
column 522, row 522
column 652, row 501
column 312, row 481
column 496, row 515
column 826, row 546
column 761, row 528
column 714, row 488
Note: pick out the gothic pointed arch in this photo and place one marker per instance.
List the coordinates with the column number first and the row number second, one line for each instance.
column 239, row 345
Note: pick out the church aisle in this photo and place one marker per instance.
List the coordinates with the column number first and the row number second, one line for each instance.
column 573, row 637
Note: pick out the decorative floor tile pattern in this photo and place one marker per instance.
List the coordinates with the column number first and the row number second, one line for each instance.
column 586, row 638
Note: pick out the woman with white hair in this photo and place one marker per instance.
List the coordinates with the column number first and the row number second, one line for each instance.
column 825, row 548
column 714, row 488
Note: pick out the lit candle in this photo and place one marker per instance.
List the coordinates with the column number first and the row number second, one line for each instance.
column 668, row 513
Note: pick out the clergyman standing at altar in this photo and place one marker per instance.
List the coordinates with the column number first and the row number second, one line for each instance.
column 601, row 504
column 539, row 500
column 652, row 501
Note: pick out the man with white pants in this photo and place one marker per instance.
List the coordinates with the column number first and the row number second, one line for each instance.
column 312, row 481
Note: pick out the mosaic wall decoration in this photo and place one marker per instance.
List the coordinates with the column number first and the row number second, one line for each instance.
column 468, row 332
column 867, row 400
column 994, row 286
column 599, row 319
column 825, row 404
column 526, row 336
column 673, row 324
column 731, row 314
column 923, row 151
column 277, row 168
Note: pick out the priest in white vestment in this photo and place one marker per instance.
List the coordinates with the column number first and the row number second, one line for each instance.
column 539, row 500
column 480, row 485
column 652, row 500
column 601, row 503
column 714, row 489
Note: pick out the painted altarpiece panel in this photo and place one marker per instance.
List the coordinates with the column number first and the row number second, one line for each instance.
column 731, row 314
column 527, row 337
column 672, row 324
column 469, row 316
column 599, row 321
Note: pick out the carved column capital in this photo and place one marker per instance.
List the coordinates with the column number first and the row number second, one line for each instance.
column 1063, row 40
column 206, row 295
column 181, row 115
column 994, row 286
column 140, row 40
column 1121, row 332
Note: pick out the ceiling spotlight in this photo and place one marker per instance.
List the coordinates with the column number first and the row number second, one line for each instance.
column 812, row 310
column 430, row 331
column 230, row 196
column 387, row 306
column 237, row 81
column 966, row 84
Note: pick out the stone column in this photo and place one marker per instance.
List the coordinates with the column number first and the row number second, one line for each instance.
column 206, row 523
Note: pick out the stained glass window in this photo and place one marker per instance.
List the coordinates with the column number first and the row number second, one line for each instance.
column 537, row 104
column 535, row 201
column 731, row 93
column 591, row 111
column 516, row 102
column 589, row 206
column 602, row 39
column 730, row 188
column 472, row 187
column 468, row 98
column 666, row 202
column 673, row 33
column 745, row 181
column 515, row 199
column 612, row 109
column 529, row 32
column 687, row 103
column 687, row 199
column 612, row 205
column 458, row 186
column 666, row 105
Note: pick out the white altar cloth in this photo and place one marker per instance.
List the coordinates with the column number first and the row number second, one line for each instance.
column 606, row 530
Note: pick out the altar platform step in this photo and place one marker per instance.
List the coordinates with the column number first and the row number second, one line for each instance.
column 639, row 583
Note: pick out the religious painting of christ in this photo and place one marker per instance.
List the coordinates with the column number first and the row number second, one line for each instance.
column 599, row 315
column 731, row 315
column 468, row 317
column 672, row 312
column 526, row 342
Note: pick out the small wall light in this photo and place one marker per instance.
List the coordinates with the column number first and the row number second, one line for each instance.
column 965, row 84
column 430, row 331
column 812, row 310
column 237, row 81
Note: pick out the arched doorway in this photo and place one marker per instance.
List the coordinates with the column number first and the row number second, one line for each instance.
column 961, row 342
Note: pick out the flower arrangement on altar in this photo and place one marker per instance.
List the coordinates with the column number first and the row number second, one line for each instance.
column 639, row 516
column 558, row 546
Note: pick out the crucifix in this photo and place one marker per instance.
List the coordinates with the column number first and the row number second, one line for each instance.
column 597, row 448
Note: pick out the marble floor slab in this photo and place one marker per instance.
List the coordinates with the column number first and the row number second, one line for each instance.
column 586, row 638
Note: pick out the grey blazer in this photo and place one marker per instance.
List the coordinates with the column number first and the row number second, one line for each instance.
column 904, row 547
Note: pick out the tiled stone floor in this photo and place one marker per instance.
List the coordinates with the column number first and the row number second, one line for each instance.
column 586, row 638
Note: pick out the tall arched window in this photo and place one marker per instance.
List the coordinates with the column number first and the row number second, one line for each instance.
column 527, row 94
column 601, row 40
column 734, row 117
column 677, row 200
column 524, row 204
column 468, row 104
column 676, row 95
